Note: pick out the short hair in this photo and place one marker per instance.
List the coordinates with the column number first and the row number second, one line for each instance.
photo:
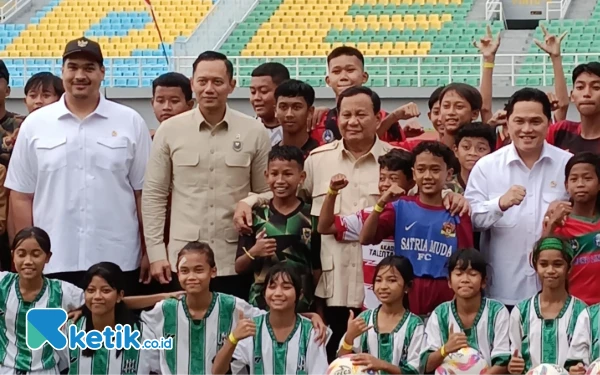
column 173, row 79
column 590, row 68
column 214, row 56
column 528, row 94
column 397, row 160
column 437, row 149
column 477, row 130
column 285, row 270
column 467, row 92
column 294, row 88
column 45, row 80
column 346, row 51
column 435, row 97
column 278, row 72
column 585, row 157
column 357, row 90
column 463, row 258
column 287, row 153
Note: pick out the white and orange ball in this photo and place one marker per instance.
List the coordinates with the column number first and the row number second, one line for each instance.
column 344, row 366
column 548, row 369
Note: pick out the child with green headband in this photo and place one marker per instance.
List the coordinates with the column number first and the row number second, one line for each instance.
column 541, row 327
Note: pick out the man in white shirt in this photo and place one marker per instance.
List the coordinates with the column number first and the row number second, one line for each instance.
column 77, row 172
column 510, row 191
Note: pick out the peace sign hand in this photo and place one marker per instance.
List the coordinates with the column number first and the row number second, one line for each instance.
column 488, row 46
column 551, row 43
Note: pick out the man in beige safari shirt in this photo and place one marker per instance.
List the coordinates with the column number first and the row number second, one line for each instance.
column 213, row 156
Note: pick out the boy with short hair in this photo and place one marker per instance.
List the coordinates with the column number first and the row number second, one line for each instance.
column 265, row 79
column 423, row 230
column 473, row 141
column 171, row 95
column 41, row 89
column 460, row 104
column 395, row 167
column 9, row 121
column 294, row 106
column 282, row 231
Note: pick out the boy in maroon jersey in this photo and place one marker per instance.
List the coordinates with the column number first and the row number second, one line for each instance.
column 580, row 223
column 581, row 136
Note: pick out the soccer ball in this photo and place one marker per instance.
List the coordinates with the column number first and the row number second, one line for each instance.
column 593, row 368
column 464, row 361
column 343, row 366
column 548, row 369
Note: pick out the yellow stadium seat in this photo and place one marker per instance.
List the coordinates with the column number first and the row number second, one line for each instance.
column 372, row 18
column 410, row 25
column 422, row 51
column 423, row 25
column 409, row 18
column 435, row 25
column 446, row 17
column 396, row 18
column 425, row 46
column 386, row 26
column 412, row 45
column 421, row 18
column 373, row 47
column 362, row 26
column 388, row 45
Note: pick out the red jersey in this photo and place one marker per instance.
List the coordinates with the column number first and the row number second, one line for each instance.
column 327, row 130
column 567, row 135
column 584, row 235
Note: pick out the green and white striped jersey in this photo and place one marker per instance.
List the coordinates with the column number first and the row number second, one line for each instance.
column 195, row 342
column 585, row 347
column 540, row 340
column 489, row 333
column 14, row 352
column 104, row 361
column 299, row 354
column 401, row 347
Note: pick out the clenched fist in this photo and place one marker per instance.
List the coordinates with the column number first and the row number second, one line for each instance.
column 513, row 197
column 338, row 182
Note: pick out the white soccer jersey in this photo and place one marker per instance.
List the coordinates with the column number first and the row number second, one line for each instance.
column 401, row 347
column 300, row 354
column 585, row 347
column 104, row 361
column 540, row 340
column 14, row 352
column 195, row 342
column 348, row 229
column 489, row 333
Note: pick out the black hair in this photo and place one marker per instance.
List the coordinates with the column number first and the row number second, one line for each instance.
column 287, row 153
column 214, row 56
column 435, row 97
column 174, row 79
column 285, row 270
column 467, row 92
column 528, row 94
column 404, row 267
column 585, row 157
column 200, row 247
column 293, row 88
column 38, row 234
column 477, row 129
column 46, row 81
column 277, row 71
column 357, row 90
column 464, row 258
column 397, row 160
column 555, row 243
column 113, row 275
column 346, row 51
column 437, row 149
column 589, row 68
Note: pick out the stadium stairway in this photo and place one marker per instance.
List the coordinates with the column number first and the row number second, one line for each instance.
column 311, row 28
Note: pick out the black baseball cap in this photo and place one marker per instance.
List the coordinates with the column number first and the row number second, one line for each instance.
column 84, row 46
column 4, row 71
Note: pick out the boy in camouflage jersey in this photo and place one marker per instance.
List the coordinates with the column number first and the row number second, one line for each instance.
column 283, row 231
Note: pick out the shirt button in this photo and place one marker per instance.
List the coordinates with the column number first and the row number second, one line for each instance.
column 212, row 151
column 82, row 209
column 212, row 241
column 356, row 203
column 211, row 223
column 79, row 167
column 355, row 185
column 211, row 169
column 211, row 206
column 211, row 188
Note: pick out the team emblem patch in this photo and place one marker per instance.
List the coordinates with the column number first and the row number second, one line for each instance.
column 306, row 234
column 448, row 229
column 237, row 146
column 328, row 136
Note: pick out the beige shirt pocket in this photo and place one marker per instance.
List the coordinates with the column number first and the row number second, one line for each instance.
column 325, row 287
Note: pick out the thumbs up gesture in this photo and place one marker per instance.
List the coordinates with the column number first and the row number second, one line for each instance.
column 578, row 369
column 516, row 364
column 356, row 327
column 456, row 341
column 244, row 328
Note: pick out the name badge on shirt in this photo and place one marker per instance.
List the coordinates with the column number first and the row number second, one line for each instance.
column 237, row 144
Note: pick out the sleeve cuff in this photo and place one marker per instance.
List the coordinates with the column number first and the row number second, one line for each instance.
column 493, row 206
column 157, row 252
column 501, row 360
column 251, row 200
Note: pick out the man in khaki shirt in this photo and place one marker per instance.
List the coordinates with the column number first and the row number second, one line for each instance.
column 355, row 156
column 212, row 156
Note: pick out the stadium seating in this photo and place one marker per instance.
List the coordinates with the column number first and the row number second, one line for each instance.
column 123, row 28
column 311, row 28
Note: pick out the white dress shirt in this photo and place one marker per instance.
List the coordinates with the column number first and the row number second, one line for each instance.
column 82, row 175
column 509, row 237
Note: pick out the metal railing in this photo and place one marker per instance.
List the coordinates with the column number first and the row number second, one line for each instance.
column 11, row 7
column 558, row 8
column 388, row 71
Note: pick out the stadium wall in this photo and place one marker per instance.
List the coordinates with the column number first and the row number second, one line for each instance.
column 392, row 97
